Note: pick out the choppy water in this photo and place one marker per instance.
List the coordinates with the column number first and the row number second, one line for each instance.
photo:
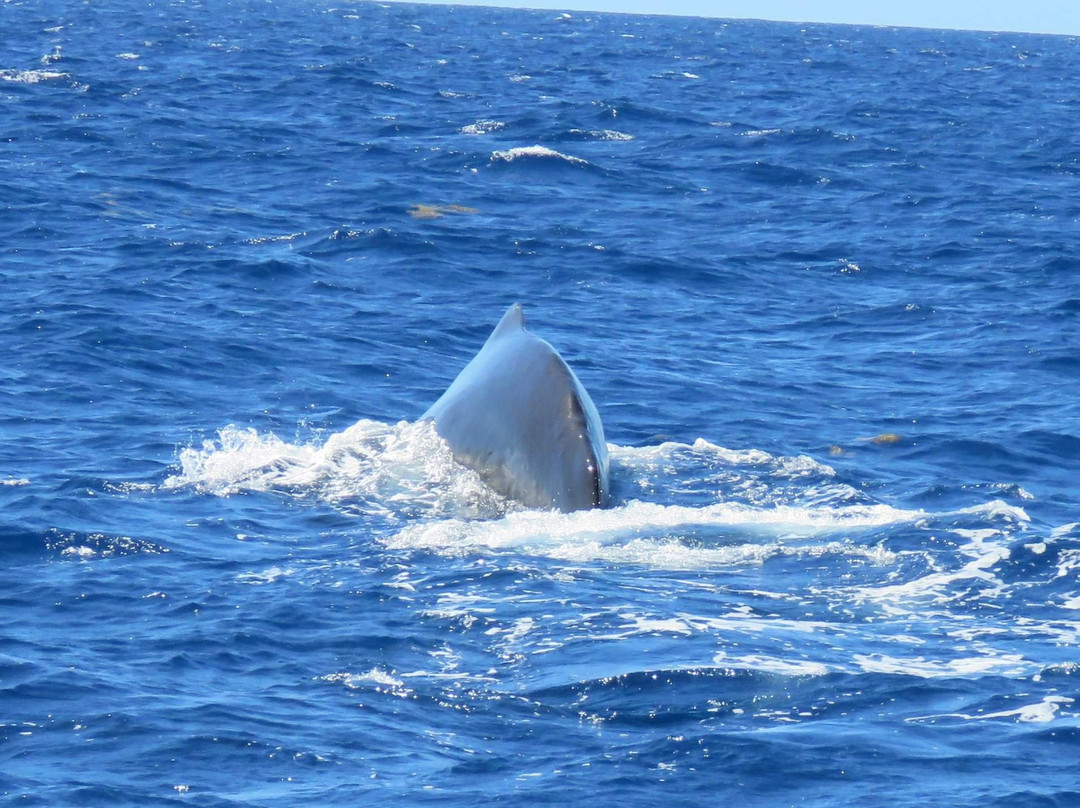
column 820, row 281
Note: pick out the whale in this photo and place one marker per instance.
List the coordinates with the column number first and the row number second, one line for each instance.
column 518, row 416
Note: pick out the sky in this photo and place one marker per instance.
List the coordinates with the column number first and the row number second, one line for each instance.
column 1035, row 16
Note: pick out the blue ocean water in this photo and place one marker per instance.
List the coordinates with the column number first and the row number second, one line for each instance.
column 820, row 281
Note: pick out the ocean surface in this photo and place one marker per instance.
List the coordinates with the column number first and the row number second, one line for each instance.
column 820, row 281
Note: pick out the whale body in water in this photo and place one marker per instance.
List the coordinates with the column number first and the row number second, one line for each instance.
column 520, row 418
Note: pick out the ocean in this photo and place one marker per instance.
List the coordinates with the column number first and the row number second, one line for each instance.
column 820, row 281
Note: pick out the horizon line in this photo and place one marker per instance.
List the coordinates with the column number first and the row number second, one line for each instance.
column 496, row 4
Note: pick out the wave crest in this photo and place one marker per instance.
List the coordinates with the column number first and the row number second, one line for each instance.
column 536, row 153
column 30, row 76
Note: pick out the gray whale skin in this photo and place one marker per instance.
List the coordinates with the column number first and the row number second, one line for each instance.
column 520, row 418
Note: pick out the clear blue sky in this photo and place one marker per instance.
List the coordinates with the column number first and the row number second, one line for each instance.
column 1038, row 16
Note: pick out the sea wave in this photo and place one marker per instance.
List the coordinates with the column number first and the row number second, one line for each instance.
column 599, row 134
column 483, row 127
column 17, row 76
column 542, row 153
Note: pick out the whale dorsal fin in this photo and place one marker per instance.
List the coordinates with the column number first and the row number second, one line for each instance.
column 519, row 417
column 512, row 321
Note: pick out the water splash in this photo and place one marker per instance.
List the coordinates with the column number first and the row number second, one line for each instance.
column 371, row 468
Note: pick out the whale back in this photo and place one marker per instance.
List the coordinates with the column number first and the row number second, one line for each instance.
column 519, row 416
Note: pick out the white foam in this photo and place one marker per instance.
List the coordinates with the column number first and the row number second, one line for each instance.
column 1043, row 711
column 30, row 76
column 666, row 452
column 274, row 239
column 267, row 576
column 15, row 481
column 771, row 664
column 98, row 544
column 128, row 487
column 602, row 134
column 1068, row 563
column 1039, row 713
column 673, row 74
column 404, row 469
column 393, row 469
column 739, row 621
column 511, row 638
column 985, row 548
column 536, row 153
column 996, row 509
column 615, row 534
column 241, row 459
column 354, row 681
column 378, row 467
column 1001, row 664
column 787, row 507
column 482, row 127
